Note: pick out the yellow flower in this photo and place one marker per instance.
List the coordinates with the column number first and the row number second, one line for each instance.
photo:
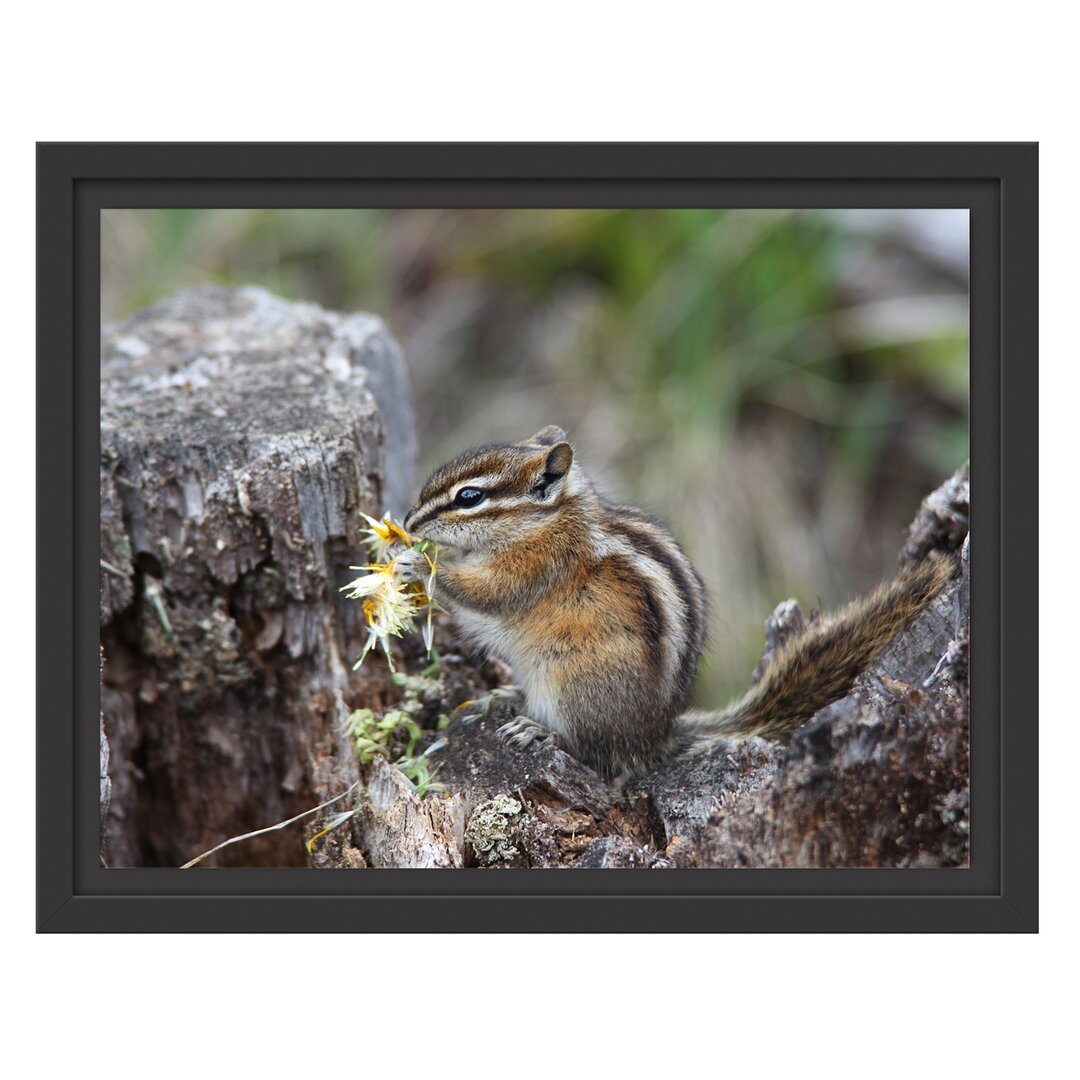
column 391, row 604
column 383, row 535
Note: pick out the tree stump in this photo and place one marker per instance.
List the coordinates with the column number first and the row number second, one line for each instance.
column 241, row 437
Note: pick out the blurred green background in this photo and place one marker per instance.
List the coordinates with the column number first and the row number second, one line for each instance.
column 782, row 387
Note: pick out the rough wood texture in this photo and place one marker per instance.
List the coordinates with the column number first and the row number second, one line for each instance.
column 241, row 436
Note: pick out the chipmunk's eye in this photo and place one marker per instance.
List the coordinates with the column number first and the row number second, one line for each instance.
column 468, row 496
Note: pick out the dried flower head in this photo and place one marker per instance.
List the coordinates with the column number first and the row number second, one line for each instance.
column 383, row 535
column 390, row 602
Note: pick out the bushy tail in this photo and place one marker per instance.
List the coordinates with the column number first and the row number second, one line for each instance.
column 819, row 664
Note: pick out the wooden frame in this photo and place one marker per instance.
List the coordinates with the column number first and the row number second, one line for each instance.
column 998, row 182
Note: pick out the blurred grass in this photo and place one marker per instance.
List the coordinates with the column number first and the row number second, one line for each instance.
column 781, row 386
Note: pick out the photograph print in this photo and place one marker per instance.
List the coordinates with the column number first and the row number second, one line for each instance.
column 534, row 538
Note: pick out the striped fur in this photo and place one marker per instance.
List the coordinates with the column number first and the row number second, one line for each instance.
column 594, row 607
column 602, row 618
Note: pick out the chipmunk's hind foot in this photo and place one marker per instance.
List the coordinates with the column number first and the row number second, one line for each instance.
column 523, row 731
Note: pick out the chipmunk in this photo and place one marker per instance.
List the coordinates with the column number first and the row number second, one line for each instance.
column 601, row 617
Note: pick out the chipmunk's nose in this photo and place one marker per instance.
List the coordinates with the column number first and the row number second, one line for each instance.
column 408, row 517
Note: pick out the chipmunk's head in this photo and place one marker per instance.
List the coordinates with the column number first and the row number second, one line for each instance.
column 498, row 493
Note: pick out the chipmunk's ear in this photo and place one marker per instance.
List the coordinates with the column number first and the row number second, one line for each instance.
column 548, row 436
column 558, row 461
column 555, row 465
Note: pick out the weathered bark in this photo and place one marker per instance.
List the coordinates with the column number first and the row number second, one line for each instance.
column 241, row 437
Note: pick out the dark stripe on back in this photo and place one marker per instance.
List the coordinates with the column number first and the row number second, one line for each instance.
column 688, row 580
column 651, row 611
column 687, row 584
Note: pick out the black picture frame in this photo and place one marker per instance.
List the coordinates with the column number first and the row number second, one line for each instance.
column 997, row 181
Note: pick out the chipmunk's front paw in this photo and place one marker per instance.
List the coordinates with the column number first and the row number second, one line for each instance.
column 522, row 732
column 481, row 706
column 412, row 564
